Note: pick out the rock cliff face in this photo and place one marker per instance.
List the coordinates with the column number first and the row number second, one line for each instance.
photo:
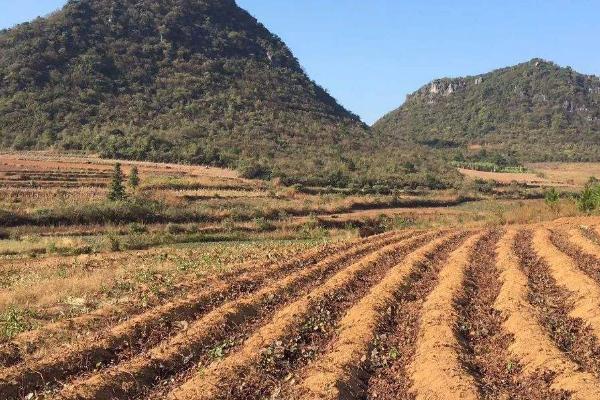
column 536, row 110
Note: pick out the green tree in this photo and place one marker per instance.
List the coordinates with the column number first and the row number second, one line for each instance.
column 589, row 199
column 117, row 190
column 134, row 178
column 552, row 198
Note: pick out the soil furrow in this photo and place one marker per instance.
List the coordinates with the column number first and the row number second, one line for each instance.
column 282, row 361
column 24, row 345
column 220, row 327
column 343, row 372
column 394, row 345
column 146, row 330
column 580, row 249
column 436, row 371
column 590, row 233
column 546, row 338
column 589, row 243
column 486, row 343
column 584, row 292
column 227, row 379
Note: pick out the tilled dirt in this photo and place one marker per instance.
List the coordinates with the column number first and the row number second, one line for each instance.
column 145, row 331
column 552, row 304
column 585, row 262
column 485, row 345
column 394, row 346
column 495, row 314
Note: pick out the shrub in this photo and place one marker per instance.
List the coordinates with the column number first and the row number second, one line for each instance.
column 589, row 199
column 117, row 191
column 552, row 198
column 254, row 170
column 134, row 178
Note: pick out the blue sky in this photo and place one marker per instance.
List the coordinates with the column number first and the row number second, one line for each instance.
column 371, row 54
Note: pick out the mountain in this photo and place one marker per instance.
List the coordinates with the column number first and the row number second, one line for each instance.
column 194, row 81
column 534, row 111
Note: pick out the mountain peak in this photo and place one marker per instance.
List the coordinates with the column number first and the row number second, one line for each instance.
column 536, row 109
column 198, row 81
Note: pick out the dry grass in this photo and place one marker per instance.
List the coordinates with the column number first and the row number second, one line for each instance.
column 576, row 174
column 49, row 161
column 62, row 286
column 562, row 175
column 508, row 178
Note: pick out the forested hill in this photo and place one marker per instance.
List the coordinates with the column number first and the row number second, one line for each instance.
column 198, row 81
column 535, row 110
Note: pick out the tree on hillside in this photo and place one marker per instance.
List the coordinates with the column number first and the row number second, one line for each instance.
column 134, row 178
column 117, row 190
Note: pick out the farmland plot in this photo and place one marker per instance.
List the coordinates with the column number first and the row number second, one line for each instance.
column 506, row 312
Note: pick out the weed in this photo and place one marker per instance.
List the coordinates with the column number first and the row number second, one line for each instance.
column 552, row 197
column 220, row 350
column 113, row 242
column 263, row 225
column 15, row 321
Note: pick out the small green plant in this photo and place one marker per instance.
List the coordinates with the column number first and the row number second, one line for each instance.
column 14, row 321
column 393, row 353
column 552, row 197
column 220, row 350
column 117, row 190
column 51, row 248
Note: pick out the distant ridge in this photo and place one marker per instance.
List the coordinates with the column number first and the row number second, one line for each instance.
column 535, row 110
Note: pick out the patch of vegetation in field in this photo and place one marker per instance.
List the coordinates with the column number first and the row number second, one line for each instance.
column 589, row 199
column 487, row 166
column 489, row 161
column 14, row 321
column 72, row 286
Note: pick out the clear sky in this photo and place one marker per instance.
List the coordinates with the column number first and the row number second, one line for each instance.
column 370, row 54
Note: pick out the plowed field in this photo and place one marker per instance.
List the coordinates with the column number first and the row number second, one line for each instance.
column 498, row 313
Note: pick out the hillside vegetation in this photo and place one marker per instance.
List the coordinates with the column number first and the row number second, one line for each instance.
column 535, row 111
column 189, row 81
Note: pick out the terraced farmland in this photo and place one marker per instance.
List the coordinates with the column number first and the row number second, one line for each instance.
column 496, row 313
